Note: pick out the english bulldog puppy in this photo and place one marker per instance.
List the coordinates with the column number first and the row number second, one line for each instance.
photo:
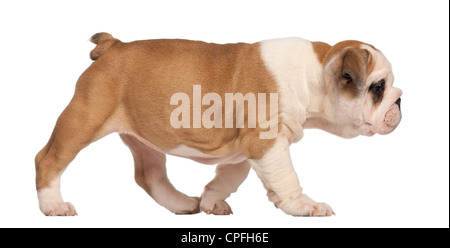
column 237, row 105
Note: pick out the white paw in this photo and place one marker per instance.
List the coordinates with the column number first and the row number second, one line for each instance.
column 321, row 209
column 212, row 204
column 302, row 205
column 58, row 209
column 219, row 207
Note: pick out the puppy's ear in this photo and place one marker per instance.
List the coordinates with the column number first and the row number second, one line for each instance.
column 353, row 73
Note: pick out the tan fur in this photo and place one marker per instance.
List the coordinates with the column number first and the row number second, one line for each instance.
column 151, row 175
column 325, row 52
column 103, row 41
column 353, row 73
column 127, row 90
column 356, row 61
column 321, row 49
column 170, row 66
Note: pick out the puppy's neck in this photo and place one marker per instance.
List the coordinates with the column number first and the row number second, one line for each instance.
column 318, row 114
column 298, row 71
column 323, row 116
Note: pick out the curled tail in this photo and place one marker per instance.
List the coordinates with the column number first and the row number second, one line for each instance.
column 103, row 41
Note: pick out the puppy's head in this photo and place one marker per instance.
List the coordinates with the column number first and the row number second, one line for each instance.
column 360, row 97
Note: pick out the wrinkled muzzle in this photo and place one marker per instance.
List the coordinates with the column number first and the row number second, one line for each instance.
column 393, row 116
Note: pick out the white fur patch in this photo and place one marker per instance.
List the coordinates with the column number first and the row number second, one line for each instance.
column 51, row 202
column 296, row 69
column 382, row 70
column 186, row 151
column 51, row 193
column 196, row 155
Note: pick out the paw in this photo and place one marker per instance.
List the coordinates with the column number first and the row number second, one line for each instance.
column 213, row 202
column 321, row 209
column 302, row 205
column 58, row 209
column 219, row 207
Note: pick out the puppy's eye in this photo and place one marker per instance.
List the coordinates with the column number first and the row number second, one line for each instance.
column 378, row 88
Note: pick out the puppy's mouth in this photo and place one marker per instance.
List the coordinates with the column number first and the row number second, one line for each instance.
column 393, row 116
column 387, row 123
column 392, row 119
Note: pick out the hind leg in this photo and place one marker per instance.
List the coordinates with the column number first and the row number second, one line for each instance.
column 77, row 127
column 227, row 180
column 151, row 175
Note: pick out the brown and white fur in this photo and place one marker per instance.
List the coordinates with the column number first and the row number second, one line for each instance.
column 345, row 89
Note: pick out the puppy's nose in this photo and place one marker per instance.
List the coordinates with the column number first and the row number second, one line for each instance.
column 399, row 100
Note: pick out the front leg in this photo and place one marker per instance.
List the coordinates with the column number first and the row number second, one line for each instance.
column 279, row 178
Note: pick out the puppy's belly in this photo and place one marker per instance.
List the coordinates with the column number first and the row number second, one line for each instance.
column 194, row 154
column 198, row 156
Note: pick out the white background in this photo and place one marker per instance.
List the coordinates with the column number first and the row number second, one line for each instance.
column 399, row 180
